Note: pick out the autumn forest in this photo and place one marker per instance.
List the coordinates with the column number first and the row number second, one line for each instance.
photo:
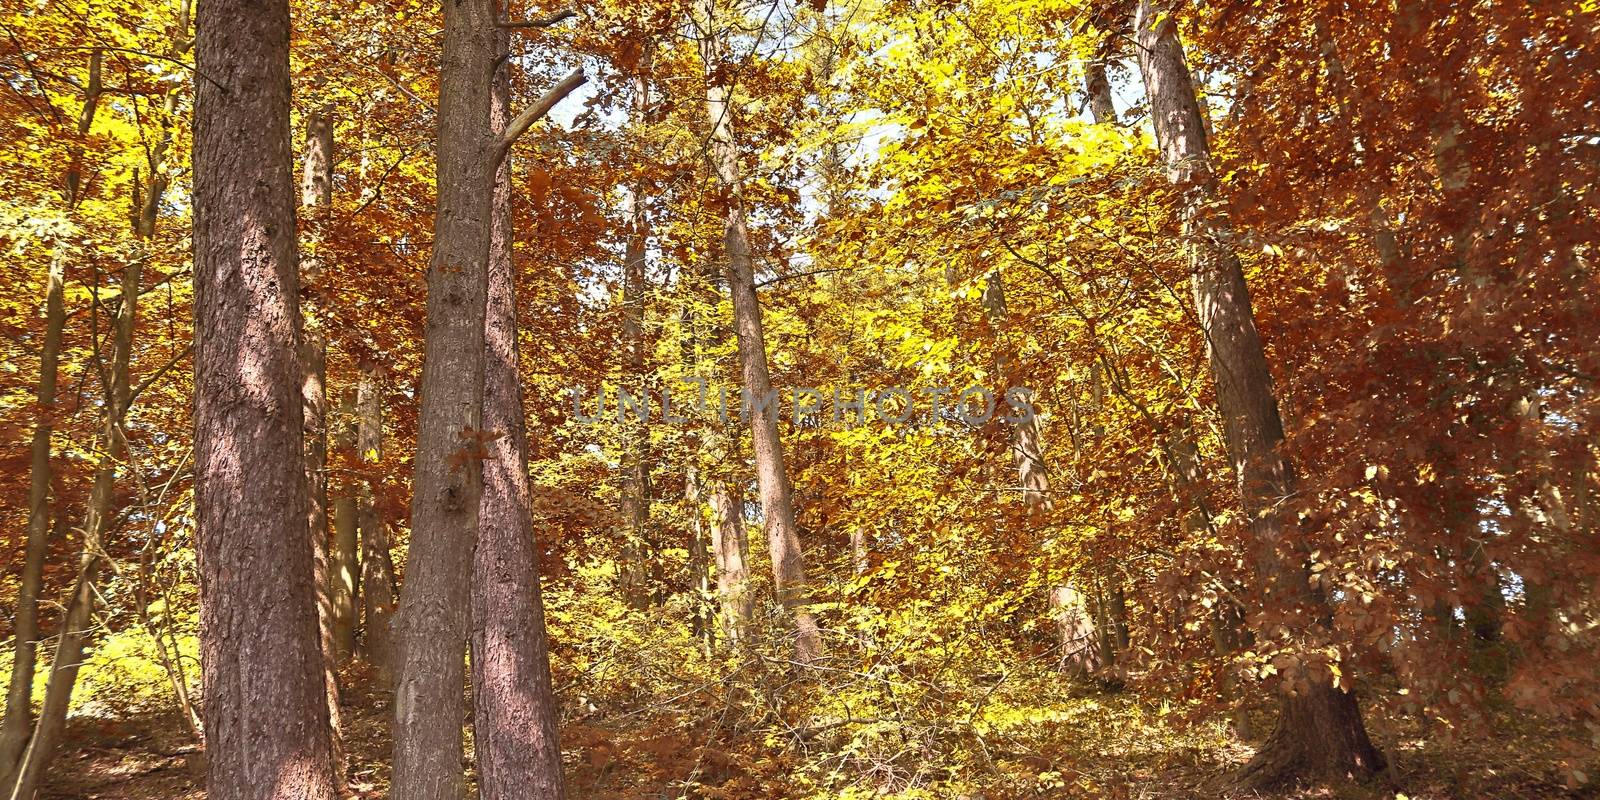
column 800, row 399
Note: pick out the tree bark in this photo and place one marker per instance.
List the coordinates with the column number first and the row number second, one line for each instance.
column 860, row 560
column 25, row 628
column 266, row 704
column 74, row 629
column 777, row 502
column 434, row 610
column 1098, row 87
column 1319, row 733
column 514, row 719
column 710, row 490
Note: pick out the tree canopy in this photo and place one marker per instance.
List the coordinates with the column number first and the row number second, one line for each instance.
column 1167, row 398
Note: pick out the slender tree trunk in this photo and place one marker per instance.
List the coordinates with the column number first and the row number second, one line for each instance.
column 514, row 718
column 1081, row 652
column 1112, row 606
column 114, row 378
column 1319, row 734
column 344, row 561
column 636, row 470
column 777, row 502
column 25, row 628
column 434, row 609
column 378, row 590
column 860, row 560
column 316, row 195
column 1228, row 633
column 74, row 635
column 19, row 696
column 709, row 491
column 730, row 548
column 702, row 567
column 266, row 710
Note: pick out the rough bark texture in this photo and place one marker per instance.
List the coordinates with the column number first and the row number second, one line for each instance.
column 434, row 608
column 1319, row 734
column 266, row 712
column 514, row 719
column 378, row 589
column 777, row 502
column 25, row 626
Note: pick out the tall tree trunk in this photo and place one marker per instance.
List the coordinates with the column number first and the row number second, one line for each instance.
column 1112, row 605
column 266, row 704
column 19, row 696
column 709, row 490
column 777, row 503
column 730, row 549
column 514, row 719
column 1319, row 733
column 316, row 195
column 434, row 610
column 1081, row 651
column 25, row 627
column 74, row 635
column 114, row 379
column 343, row 557
column 636, row 470
column 378, row 588
column 860, row 559
column 703, row 566
column 1098, row 87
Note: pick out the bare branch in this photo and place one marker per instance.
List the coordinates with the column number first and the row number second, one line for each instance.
column 523, row 121
column 542, row 22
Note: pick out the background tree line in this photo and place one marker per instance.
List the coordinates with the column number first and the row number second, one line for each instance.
column 1304, row 294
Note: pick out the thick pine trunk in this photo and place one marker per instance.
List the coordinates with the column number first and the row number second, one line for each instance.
column 1319, row 734
column 514, row 719
column 777, row 501
column 266, row 711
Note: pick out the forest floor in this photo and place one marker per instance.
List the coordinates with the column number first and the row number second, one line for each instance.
column 1113, row 748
